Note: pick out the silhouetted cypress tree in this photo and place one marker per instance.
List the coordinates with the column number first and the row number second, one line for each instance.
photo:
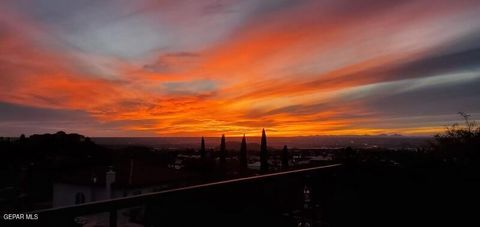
column 243, row 153
column 223, row 151
column 285, row 157
column 203, row 152
column 263, row 153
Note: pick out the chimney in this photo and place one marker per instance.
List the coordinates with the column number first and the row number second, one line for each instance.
column 109, row 179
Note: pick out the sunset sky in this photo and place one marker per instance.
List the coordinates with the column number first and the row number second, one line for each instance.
column 207, row 67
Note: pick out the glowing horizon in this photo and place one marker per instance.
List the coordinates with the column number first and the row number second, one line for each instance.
column 206, row 68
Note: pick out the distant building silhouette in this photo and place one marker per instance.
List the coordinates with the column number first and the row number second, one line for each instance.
column 203, row 152
column 285, row 157
column 263, row 152
column 223, row 151
column 243, row 153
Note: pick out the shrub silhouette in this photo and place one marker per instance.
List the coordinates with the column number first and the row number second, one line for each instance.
column 459, row 144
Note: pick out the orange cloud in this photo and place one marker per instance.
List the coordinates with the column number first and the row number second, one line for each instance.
column 287, row 70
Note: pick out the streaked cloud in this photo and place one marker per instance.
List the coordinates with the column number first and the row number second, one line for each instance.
column 209, row 67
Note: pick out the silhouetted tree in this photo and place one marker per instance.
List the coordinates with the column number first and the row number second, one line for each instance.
column 223, row 151
column 285, row 157
column 263, row 152
column 31, row 164
column 459, row 144
column 203, row 152
column 243, row 153
column 22, row 138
